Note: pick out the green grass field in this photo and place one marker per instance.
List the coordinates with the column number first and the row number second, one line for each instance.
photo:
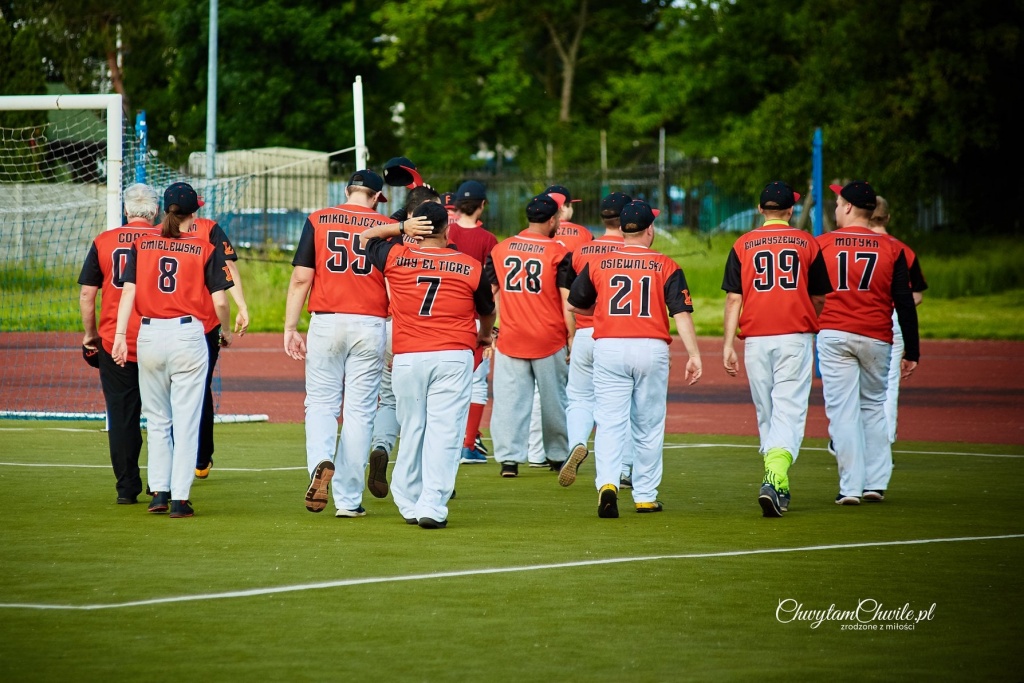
column 526, row 584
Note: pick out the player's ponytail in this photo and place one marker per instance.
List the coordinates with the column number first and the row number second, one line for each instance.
column 171, row 225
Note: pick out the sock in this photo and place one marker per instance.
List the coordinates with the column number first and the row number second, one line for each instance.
column 476, row 413
column 776, row 468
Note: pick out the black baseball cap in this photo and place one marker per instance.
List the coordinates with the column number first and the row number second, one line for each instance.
column 400, row 172
column 448, row 200
column 369, row 180
column 859, row 193
column 777, row 195
column 184, row 195
column 564, row 191
column 611, row 206
column 542, row 207
column 471, row 189
column 435, row 213
column 637, row 216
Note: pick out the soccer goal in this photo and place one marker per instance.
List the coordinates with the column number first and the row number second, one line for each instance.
column 64, row 162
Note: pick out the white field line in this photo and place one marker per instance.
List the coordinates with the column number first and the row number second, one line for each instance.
column 342, row 583
column 674, row 446
column 142, row 467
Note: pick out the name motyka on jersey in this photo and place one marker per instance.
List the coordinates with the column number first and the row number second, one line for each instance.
column 430, row 264
column 171, row 245
column 856, row 242
column 348, row 219
column 632, row 264
column 776, row 239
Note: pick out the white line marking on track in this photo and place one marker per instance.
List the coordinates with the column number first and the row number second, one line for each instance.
column 342, row 583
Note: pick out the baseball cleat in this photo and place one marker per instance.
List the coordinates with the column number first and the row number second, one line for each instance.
column 608, row 502
column 204, row 472
column 127, row 500
column 358, row 512
column 471, row 456
column 625, row 482
column 161, row 501
column 555, row 465
column 768, row 499
column 479, row 446
column 377, row 481
column 831, row 447
column 847, row 500
column 428, row 523
column 784, row 501
column 316, row 494
column 653, row 506
column 509, row 470
column 412, row 521
column 181, row 508
column 567, row 475
column 539, row 465
column 874, row 496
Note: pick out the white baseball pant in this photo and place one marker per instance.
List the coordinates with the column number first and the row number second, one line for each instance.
column 432, row 389
column 854, row 371
column 535, row 453
column 779, row 369
column 630, row 412
column 344, row 359
column 385, row 422
column 514, row 381
column 173, row 359
column 892, row 393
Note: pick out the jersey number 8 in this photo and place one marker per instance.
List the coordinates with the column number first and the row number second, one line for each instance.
column 167, row 281
column 532, row 270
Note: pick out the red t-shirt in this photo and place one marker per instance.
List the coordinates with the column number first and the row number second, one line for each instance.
column 585, row 254
column 776, row 268
column 435, row 297
column 572, row 236
column 104, row 268
column 527, row 269
column 344, row 281
column 476, row 241
column 632, row 290
column 174, row 277
column 861, row 265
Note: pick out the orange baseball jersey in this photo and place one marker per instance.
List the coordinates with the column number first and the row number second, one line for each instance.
column 586, row 253
column 174, row 277
column 572, row 236
column 777, row 269
column 529, row 270
column 344, row 280
column 868, row 272
column 436, row 294
column 210, row 230
column 632, row 291
column 104, row 268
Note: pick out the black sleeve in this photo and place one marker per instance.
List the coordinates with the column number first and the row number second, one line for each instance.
column 582, row 294
column 219, row 239
column 91, row 274
column 732, row 281
column 483, row 298
column 818, row 281
column 305, row 253
column 399, row 215
column 917, row 281
column 489, row 273
column 217, row 272
column 377, row 251
column 565, row 274
column 677, row 294
column 128, row 274
column 906, row 311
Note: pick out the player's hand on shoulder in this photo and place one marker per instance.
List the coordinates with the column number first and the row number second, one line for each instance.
column 294, row 345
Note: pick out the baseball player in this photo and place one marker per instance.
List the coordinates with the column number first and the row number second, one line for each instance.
column 436, row 294
column 580, row 389
column 879, row 223
column 628, row 292
column 170, row 280
column 530, row 273
column 776, row 282
column 348, row 305
column 869, row 278
column 469, row 236
column 102, row 272
column 569, row 234
column 212, row 231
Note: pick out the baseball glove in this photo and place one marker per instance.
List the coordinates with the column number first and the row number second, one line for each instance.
column 91, row 354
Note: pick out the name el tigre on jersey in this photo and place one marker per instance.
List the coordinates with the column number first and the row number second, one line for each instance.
column 586, row 253
column 175, row 277
column 529, row 270
column 776, row 269
column 344, row 280
column 104, row 268
column 633, row 291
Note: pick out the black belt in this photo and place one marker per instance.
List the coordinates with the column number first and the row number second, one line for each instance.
column 184, row 321
column 323, row 312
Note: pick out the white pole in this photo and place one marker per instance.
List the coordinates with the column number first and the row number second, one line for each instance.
column 211, row 97
column 357, row 104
